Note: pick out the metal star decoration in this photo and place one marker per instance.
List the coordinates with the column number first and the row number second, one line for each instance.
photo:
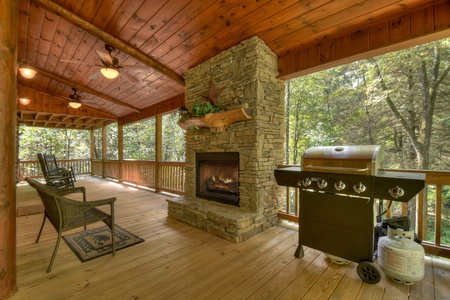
column 214, row 93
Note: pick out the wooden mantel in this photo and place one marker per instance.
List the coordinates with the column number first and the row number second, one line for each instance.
column 217, row 122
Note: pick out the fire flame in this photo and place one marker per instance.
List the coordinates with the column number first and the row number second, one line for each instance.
column 224, row 180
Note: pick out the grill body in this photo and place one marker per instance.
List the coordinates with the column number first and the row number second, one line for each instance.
column 338, row 187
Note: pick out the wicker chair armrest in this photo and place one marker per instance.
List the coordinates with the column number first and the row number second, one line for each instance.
column 72, row 208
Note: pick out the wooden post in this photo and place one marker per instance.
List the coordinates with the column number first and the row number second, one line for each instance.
column 120, row 151
column 8, row 58
column 158, row 151
column 92, row 149
column 103, row 150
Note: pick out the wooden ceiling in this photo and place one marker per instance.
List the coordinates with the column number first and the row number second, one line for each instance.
column 168, row 36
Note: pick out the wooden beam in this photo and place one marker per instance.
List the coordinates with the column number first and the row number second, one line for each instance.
column 109, row 39
column 66, row 100
column 163, row 107
column 84, row 88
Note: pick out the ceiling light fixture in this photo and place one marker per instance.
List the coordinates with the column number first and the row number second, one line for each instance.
column 24, row 101
column 25, row 69
column 74, row 104
column 109, row 73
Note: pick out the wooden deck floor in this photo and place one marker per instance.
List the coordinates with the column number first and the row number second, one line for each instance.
column 177, row 261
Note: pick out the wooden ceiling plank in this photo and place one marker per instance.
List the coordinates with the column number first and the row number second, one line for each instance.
column 204, row 40
column 192, row 20
column 163, row 24
column 46, row 38
column 140, row 20
column 125, row 12
column 110, row 39
column 89, row 9
column 105, row 12
column 74, row 41
column 59, row 41
column 74, row 6
column 88, row 59
column 22, row 30
column 34, row 29
column 340, row 23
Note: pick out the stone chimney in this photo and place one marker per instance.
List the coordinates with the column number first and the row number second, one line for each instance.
column 248, row 74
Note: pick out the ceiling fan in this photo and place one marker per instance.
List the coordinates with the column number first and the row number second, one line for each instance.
column 110, row 67
column 75, row 99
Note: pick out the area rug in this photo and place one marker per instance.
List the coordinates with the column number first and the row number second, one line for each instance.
column 96, row 242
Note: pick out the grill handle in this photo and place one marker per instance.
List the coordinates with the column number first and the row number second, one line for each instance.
column 321, row 168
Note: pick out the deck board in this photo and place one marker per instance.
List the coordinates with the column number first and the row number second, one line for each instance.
column 178, row 261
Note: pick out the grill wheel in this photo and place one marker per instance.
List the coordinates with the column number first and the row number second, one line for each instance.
column 369, row 272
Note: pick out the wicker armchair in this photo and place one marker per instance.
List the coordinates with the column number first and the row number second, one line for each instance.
column 66, row 214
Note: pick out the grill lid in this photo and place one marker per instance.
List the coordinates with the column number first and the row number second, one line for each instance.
column 364, row 160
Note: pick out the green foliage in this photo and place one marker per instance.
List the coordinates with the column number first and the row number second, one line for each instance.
column 198, row 110
column 112, row 141
column 201, row 109
column 173, row 144
column 139, row 140
column 348, row 105
column 64, row 143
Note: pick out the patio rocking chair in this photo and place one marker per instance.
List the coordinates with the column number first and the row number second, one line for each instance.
column 63, row 180
column 66, row 214
column 54, row 169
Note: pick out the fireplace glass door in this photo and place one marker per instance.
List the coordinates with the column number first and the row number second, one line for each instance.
column 218, row 177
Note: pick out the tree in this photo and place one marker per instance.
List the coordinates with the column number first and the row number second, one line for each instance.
column 410, row 81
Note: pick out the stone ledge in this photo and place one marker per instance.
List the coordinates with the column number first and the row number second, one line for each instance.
column 227, row 221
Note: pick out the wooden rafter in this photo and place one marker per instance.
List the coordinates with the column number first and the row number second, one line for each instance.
column 84, row 88
column 118, row 44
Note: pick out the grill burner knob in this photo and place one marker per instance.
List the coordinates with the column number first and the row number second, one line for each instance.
column 322, row 183
column 396, row 192
column 339, row 185
column 306, row 181
column 359, row 188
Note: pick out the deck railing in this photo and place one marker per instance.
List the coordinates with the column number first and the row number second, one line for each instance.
column 165, row 176
column 31, row 168
column 431, row 212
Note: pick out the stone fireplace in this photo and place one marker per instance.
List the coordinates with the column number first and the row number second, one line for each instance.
column 248, row 74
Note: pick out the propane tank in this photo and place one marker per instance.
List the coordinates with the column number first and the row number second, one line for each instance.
column 400, row 257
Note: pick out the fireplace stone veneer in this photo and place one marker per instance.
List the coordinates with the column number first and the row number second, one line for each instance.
column 248, row 72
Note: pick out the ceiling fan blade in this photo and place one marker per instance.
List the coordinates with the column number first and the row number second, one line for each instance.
column 75, row 61
column 105, row 57
column 94, row 75
column 128, row 77
column 137, row 68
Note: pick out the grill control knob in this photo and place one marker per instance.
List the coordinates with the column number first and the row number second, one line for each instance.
column 306, row 181
column 396, row 192
column 322, row 183
column 359, row 188
column 339, row 185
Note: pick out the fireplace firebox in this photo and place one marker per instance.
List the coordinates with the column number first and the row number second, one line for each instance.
column 217, row 177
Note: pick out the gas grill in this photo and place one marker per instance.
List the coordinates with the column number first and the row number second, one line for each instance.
column 338, row 187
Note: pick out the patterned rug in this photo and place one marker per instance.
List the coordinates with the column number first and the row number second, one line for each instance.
column 93, row 243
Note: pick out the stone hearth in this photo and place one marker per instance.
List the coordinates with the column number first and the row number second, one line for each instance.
column 248, row 72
